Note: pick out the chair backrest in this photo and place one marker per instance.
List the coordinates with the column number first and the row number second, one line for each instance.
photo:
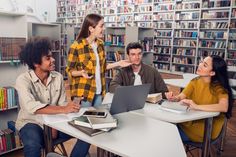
column 189, row 76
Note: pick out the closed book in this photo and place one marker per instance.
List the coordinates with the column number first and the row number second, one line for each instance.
column 82, row 121
column 175, row 107
column 154, row 98
column 102, row 123
column 86, row 130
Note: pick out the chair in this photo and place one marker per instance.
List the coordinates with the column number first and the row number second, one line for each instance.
column 52, row 154
column 189, row 76
column 59, row 142
column 189, row 145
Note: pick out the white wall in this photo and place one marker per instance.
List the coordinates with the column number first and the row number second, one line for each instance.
column 45, row 10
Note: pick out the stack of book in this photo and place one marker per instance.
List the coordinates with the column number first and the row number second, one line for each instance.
column 93, row 123
column 154, row 98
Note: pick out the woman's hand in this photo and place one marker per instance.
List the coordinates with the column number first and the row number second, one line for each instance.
column 85, row 74
column 190, row 103
column 170, row 96
column 124, row 63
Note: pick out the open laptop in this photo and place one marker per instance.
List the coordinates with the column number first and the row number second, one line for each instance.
column 128, row 98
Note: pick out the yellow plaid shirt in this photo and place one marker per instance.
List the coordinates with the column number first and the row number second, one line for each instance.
column 81, row 57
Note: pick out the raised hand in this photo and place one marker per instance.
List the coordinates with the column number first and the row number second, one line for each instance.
column 124, row 63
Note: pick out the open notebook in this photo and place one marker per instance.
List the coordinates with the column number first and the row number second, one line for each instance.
column 176, row 107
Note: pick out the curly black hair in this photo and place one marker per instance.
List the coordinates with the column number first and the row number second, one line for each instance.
column 34, row 50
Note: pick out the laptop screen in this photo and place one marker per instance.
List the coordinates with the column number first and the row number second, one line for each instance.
column 128, row 98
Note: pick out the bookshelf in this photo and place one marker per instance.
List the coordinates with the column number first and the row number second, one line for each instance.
column 13, row 36
column 67, row 38
column 117, row 38
column 53, row 32
column 184, row 30
column 74, row 11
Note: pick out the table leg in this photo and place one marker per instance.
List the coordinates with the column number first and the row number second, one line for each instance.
column 207, row 137
column 48, row 139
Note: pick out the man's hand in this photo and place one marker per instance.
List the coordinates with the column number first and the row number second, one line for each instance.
column 72, row 107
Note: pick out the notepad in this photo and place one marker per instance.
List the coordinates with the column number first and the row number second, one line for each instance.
column 175, row 107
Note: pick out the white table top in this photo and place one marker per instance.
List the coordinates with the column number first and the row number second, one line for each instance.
column 182, row 83
column 154, row 111
column 136, row 136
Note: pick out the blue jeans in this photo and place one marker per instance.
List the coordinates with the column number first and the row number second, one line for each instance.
column 97, row 101
column 183, row 135
column 33, row 141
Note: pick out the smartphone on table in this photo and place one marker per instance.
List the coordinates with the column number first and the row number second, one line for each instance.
column 99, row 114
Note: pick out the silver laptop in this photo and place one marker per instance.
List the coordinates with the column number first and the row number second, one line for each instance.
column 128, row 98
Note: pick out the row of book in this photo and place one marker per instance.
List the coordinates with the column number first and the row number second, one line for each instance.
column 143, row 17
column 162, row 25
column 115, row 56
column 10, row 47
column 205, row 53
column 143, row 9
column 163, row 16
column 8, row 98
column 193, row 5
column 185, row 52
column 183, row 60
column 233, row 14
column 188, row 43
column 165, row 7
column 9, row 140
column 162, row 42
column 147, row 44
column 182, row 68
column 185, row 34
column 213, row 24
column 161, row 58
column 162, row 50
column 232, row 55
column 144, row 24
column 213, row 34
column 214, row 14
column 212, row 44
column 187, row 16
column 187, row 24
column 162, row 66
column 232, row 44
column 162, row 33
column 112, row 39
column 212, row 4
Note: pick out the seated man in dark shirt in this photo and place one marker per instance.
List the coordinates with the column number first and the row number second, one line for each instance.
column 138, row 73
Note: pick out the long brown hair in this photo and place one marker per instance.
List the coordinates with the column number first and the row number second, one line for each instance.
column 90, row 20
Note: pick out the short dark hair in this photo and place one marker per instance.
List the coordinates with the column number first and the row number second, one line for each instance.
column 34, row 50
column 133, row 45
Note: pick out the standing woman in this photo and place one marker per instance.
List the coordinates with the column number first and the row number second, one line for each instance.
column 86, row 64
column 209, row 92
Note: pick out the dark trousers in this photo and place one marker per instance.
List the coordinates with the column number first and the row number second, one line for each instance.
column 33, row 141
